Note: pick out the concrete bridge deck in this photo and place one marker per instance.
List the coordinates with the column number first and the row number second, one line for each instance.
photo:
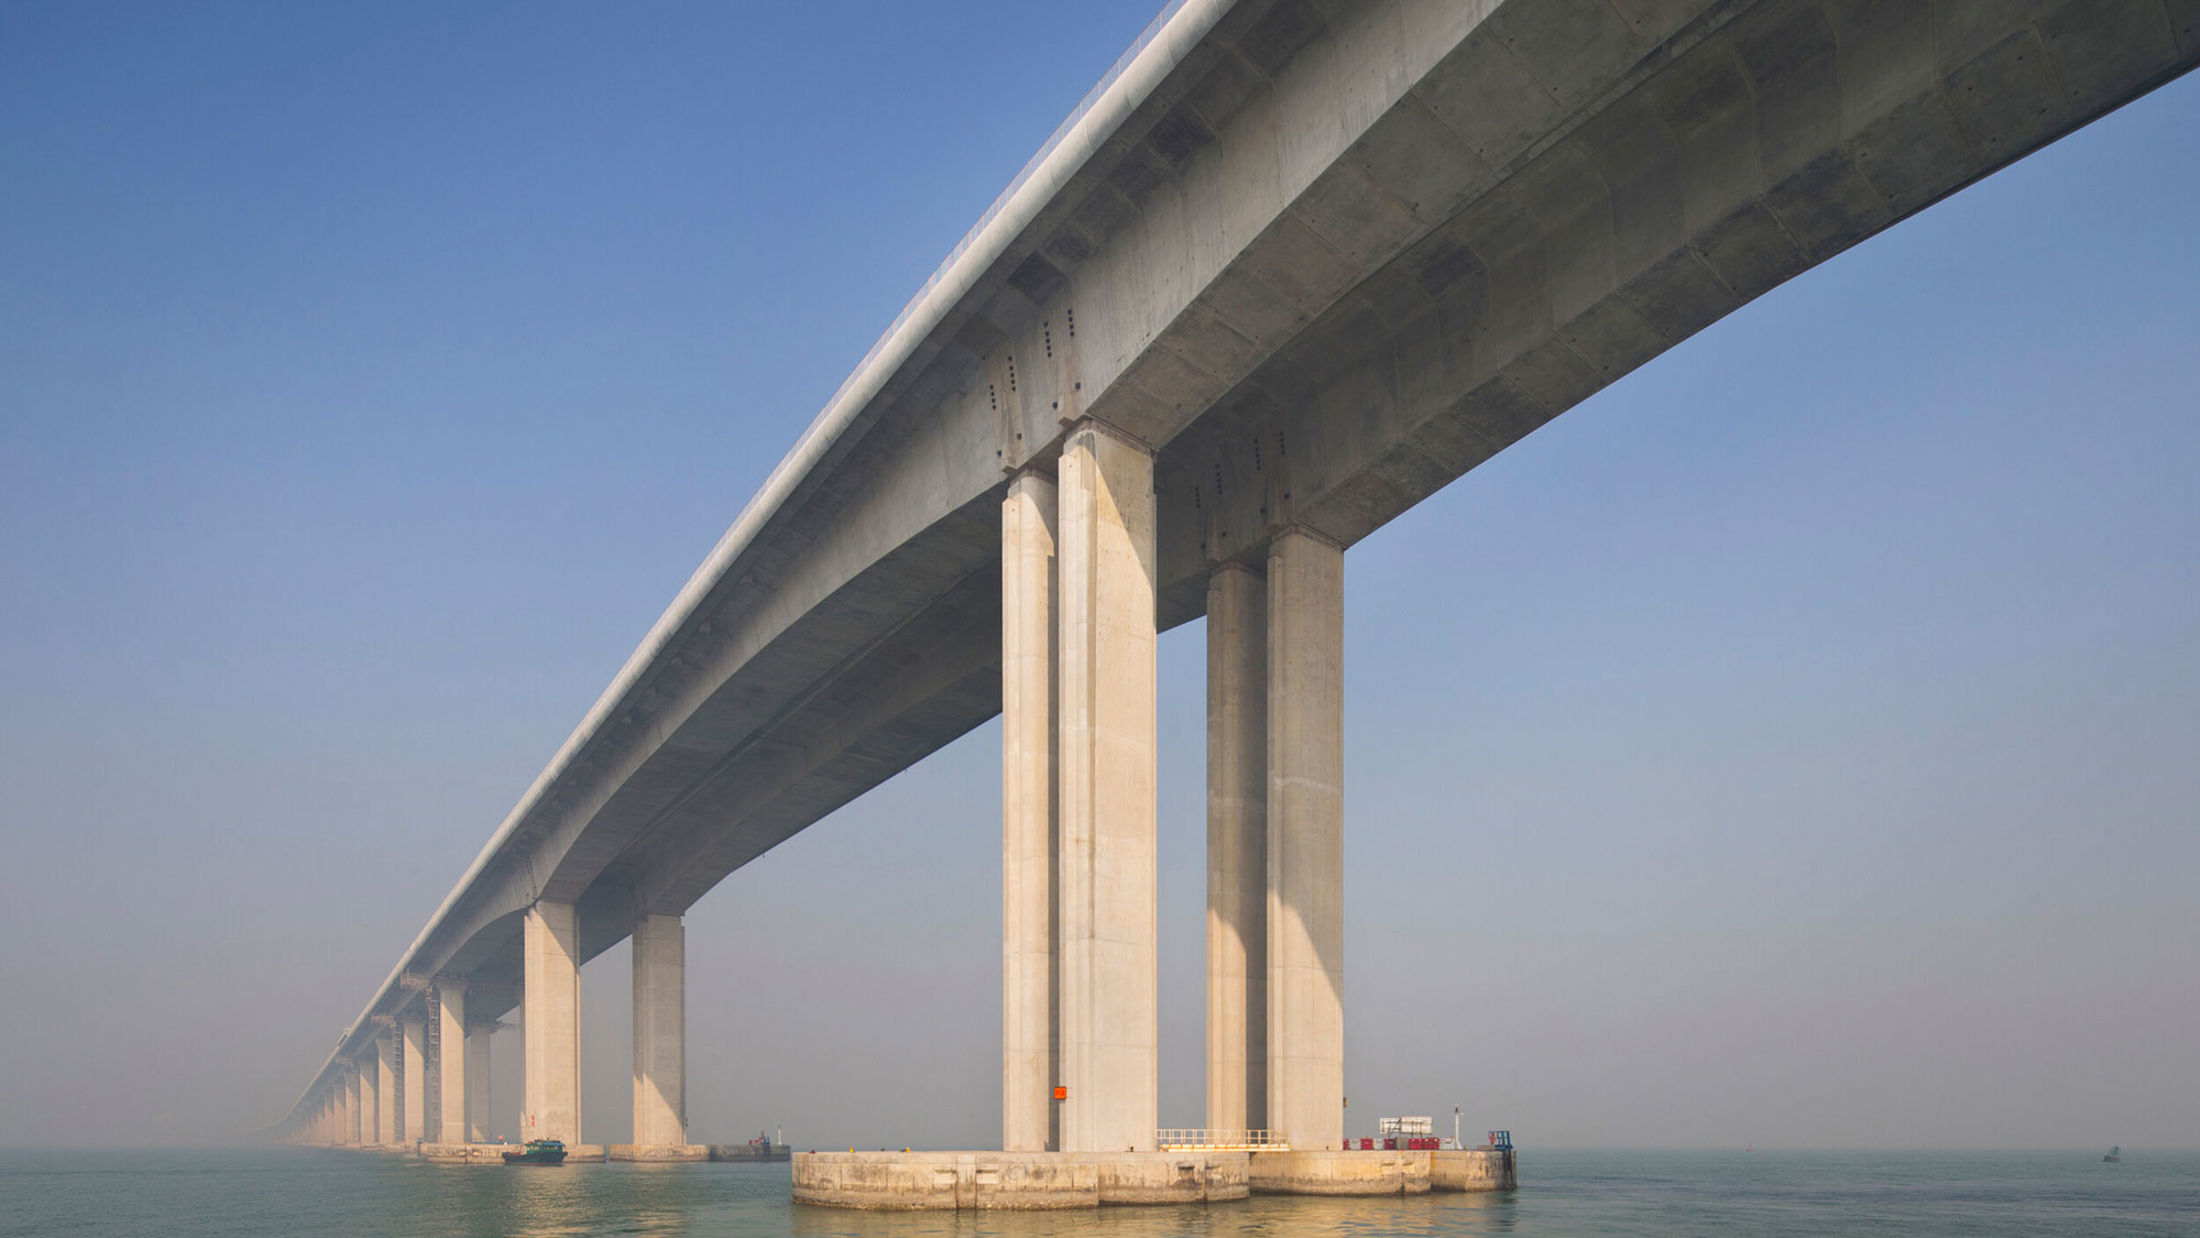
column 1318, row 259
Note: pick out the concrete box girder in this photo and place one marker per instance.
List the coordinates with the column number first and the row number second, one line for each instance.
column 1611, row 177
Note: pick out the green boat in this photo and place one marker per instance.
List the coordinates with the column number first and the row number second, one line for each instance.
column 538, row 1152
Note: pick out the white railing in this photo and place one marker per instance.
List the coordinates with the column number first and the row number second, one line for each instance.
column 1197, row 1139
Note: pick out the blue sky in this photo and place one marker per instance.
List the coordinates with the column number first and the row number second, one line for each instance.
column 1791, row 745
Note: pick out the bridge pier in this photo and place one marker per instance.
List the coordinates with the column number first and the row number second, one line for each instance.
column 660, row 1041
column 1237, row 849
column 1109, row 996
column 370, row 1096
column 1030, row 1044
column 550, row 1002
column 450, row 1063
column 412, row 1110
column 476, row 1105
column 1306, row 840
column 385, row 1087
column 347, row 1099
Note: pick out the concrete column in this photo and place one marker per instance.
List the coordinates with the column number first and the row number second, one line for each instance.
column 1237, row 849
column 385, row 1089
column 413, row 1113
column 1109, row 996
column 660, row 1032
column 1306, row 839
column 551, row 1094
column 370, row 1076
column 347, row 1095
column 450, row 1066
column 477, row 1083
column 1030, row 1042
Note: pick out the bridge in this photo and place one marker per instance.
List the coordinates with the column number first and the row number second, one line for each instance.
column 1293, row 266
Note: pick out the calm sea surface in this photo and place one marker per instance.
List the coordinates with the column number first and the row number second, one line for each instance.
column 1651, row 1193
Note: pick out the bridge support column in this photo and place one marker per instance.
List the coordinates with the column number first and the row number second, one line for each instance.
column 1237, row 849
column 347, row 1095
column 1109, row 995
column 1306, row 840
column 370, row 1076
column 551, row 1093
column 1030, row 1066
column 476, row 1107
column 385, row 1087
column 413, row 1111
column 450, row 1063
column 660, row 1032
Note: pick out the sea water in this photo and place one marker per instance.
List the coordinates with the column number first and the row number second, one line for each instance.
column 307, row 1192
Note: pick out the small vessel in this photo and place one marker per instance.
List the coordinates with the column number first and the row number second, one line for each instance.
column 2115, row 1156
column 538, row 1152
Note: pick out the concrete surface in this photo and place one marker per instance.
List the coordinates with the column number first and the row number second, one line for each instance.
column 1336, row 1172
column 447, row 1153
column 387, row 1095
column 943, row 1181
column 477, row 1083
column 1306, row 841
column 660, row 1032
column 658, row 1153
column 412, row 1111
column 1030, row 1043
column 493, row 1154
column 450, row 1066
column 1237, row 849
column 1110, row 1034
column 1473, row 1169
column 550, row 1090
column 1322, row 259
column 748, row 1152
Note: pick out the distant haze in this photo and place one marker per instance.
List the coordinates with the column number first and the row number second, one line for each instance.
column 1796, row 744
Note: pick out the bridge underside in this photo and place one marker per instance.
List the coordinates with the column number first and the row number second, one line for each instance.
column 1340, row 255
column 1758, row 141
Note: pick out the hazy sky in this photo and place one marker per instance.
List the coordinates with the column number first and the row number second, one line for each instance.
column 1797, row 744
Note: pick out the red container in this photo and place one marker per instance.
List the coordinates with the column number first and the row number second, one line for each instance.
column 1367, row 1145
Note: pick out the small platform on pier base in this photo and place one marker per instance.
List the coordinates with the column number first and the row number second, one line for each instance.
column 493, row 1153
column 964, row 1181
column 652, row 1153
column 740, row 1152
column 1016, row 1180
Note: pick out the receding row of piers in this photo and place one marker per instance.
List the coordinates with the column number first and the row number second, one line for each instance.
column 1080, row 1027
column 1080, row 1008
column 422, row 1079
